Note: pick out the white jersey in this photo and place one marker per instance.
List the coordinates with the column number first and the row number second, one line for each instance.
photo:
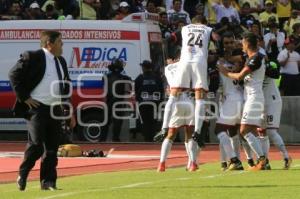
column 195, row 40
column 231, row 88
column 253, row 82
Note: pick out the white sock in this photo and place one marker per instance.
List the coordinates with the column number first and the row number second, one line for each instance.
column 277, row 141
column 247, row 150
column 188, row 153
column 265, row 145
column 197, row 154
column 168, row 111
column 223, row 157
column 193, row 150
column 199, row 114
column 254, row 144
column 226, row 144
column 165, row 149
column 236, row 145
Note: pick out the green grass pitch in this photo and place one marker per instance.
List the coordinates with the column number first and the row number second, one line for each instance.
column 207, row 183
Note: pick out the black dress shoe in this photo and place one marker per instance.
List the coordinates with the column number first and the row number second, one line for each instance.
column 21, row 182
column 48, row 186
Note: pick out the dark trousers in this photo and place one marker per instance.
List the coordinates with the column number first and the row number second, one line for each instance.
column 43, row 140
column 149, row 123
column 114, row 121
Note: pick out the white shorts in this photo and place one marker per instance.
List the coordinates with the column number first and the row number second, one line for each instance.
column 183, row 113
column 252, row 111
column 272, row 114
column 230, row 112
column 192, row 75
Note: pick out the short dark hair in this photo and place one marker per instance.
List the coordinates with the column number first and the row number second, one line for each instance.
column 252, row 40
column 200, row 19
column 176, row 1
column 49, row 36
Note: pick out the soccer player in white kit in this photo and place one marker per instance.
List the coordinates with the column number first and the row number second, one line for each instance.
column 273, row 107
column 193, row 70
column 230, row 106
column 253, row 75
column 182, row 116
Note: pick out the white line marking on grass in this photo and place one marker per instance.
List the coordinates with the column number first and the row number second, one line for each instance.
column 183, row 178
column 223, row 174
column 132, row 185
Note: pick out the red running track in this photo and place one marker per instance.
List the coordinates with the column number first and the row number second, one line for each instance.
column 132, row 156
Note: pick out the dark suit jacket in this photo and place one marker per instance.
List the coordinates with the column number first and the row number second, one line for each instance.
column 27, row 74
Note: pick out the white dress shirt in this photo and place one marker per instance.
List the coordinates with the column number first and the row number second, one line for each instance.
column 47, row 91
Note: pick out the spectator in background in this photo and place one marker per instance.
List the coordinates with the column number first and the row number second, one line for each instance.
column 255, row 7
column 283, row 10
column 167, row 33
column 75, row 14
column 16, row 11
column 177, row 14
column 88, row 9
column 149, row 93
column 150, row 7
column 165, row 26
column 191, row 5
column 123, row 10
column 246, row 15
column 170, row 4
column 69, row 8
column 137, row 6
column 264, row 16
column 255, row 27
column 212, row 18
column 295, row 37
column 34, row 12
column 226, row 10
column 274, row 41
column 105, row 11
column 226, row 25
column 51, row 12
column 27, row 3
column 289, row 61
column 288, row 25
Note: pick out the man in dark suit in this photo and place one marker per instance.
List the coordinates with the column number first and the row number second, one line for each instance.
column 40, row 80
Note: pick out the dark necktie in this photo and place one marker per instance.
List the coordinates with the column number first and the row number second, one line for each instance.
column 61, row 84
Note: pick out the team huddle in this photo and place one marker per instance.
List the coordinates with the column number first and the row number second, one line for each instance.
column 249, row 106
